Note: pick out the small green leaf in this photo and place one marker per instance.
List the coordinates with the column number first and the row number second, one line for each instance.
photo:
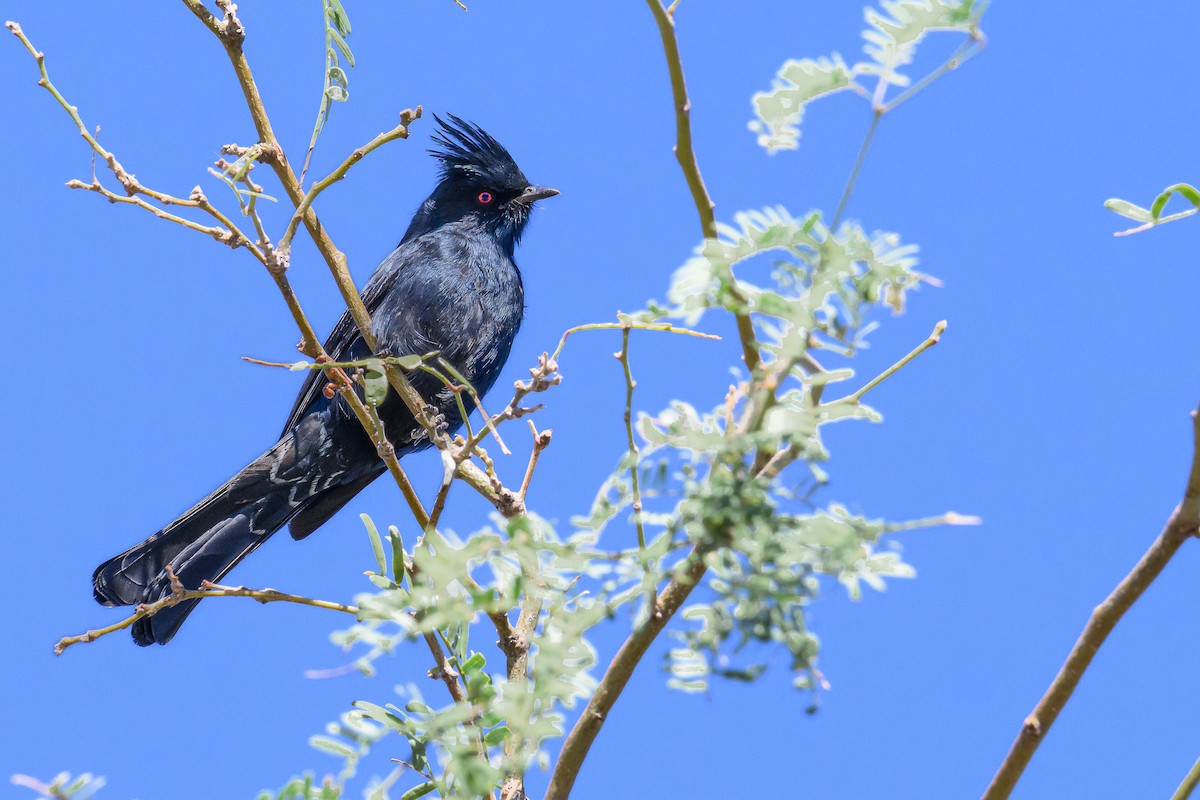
column 496, row 735
column 417, row 707
column 382, row 581
column 332, row 746
column 408, row 363
column 338, row 16
column 1129, row 210
column 398, row 571
column 1186, row 191
column 475, row 663
column 376, row 543
column 419, row 791
column 337, row 93
column 379, row 714
column 341, row 45
column 375, row 383
column 338, row 76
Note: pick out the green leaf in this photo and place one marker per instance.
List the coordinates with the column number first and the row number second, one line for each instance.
column 379, row 714
column 375, row 383
column 338, row 77
column 419, row 791
column 476, row 662
column 1187, row 191
column 496, row 736
column 332, row 746
column 417, row 707
column 897, row 29
column 797, row 84
column 337, row 94
column 342, row 46
column 376, row 543
column 338, row 16
column 398, row 571
column 409, row 362
column 382, row 581
column 1129, row 210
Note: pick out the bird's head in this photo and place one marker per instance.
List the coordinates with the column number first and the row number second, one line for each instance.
column 480, row 183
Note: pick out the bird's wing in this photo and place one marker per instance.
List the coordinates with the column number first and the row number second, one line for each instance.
column 345, row 336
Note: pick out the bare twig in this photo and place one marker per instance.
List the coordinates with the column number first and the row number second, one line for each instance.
column 664, row 327
column 933, row 339
column 1181, row 526
column 634, row 453
column 541, row 440
column 398, row 132
column 229, row 234
column 207, row 589
column 859, row 160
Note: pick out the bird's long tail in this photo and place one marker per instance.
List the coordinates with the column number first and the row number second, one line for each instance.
column 208, row 540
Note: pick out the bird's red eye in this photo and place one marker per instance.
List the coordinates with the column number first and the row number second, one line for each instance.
column 485, row 198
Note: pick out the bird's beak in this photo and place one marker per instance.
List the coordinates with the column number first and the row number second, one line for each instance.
column 533, row 193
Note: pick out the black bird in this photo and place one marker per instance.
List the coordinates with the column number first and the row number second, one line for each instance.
column 450, row 286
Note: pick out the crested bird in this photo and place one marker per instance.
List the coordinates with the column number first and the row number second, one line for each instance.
column 451, row 286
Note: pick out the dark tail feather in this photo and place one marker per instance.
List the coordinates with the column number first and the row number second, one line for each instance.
column 207, row 541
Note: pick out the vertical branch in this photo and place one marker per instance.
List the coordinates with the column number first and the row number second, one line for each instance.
column 686, row 154
column 634, row 453
column 1181, row 526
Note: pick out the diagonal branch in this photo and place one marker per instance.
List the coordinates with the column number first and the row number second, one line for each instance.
column 229, row 234
column 579, row 740
column 1182, row 525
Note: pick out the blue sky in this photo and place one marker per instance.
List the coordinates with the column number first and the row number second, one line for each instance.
column 1055, row 407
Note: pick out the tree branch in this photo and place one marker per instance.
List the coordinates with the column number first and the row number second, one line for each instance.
column 207, row 589
column 1183, row 524
column 686, row 154
column 1190, row 782
column 398, row 132
column 579, row 740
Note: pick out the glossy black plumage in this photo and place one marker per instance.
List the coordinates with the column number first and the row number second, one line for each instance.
column 451, row 286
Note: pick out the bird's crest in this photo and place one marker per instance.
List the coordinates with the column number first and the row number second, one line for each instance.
column 466, row 150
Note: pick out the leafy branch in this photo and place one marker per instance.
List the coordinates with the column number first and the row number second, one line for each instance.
column 1152, row 217
column 337, row 83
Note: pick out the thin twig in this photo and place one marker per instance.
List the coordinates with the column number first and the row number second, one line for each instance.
column 229, row 234
column 972, row 47
column 664, row 327
column 398, row 132
column 634, row 453
column 541, row 440
column 231, row 33
column 933, row 339
column 858, row 165
column 208, row 589
column 1181, row 526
